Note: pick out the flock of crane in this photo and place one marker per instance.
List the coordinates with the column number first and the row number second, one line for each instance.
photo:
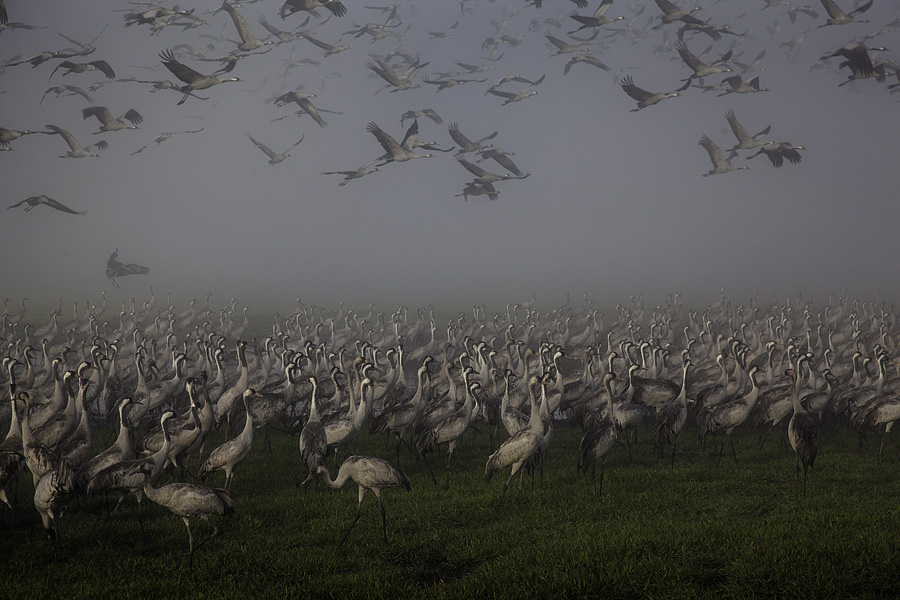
column 170, row 378
column 400, row 70
column 166, row 376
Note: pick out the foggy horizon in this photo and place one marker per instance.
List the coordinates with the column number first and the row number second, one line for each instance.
column 615, row 204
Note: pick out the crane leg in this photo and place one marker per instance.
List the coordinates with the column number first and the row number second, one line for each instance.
column 449, row 455
column 721, row 451
column 521, row 474
column 358, row 507
column 674, row 446
column 506, row 485
column 187, row 523
column 383, row 516
column 211, row 536
column 894, row 444
column 428, row 464
column 733, row 453
column 768, row 431
column 602, row 470
column 542, row 472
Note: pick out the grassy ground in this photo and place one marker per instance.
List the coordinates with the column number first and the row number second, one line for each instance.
column 736, row 531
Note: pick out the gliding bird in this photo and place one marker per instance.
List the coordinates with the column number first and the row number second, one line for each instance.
column 274, row 158
column 76, row 150
column 193, row 80
column 46, row 201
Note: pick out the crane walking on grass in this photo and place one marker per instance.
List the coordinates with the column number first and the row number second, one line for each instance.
column 189, row 500
column 368, row 473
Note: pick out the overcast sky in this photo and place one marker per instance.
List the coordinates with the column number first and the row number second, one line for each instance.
column 615, row 204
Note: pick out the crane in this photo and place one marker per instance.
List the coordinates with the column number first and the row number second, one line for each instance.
column 46, row 201
column 275, row 158
column 519, row 447
column 111, row 123
column 720, row 164
column 395, row 152
column 369, row 473
column 600, row 438
column 114, row 268
column 231, row 453
column 192, row 79
column 645, row 98
column 313, row 441
column 76, row 150
column 803, row 433
column 189, row 500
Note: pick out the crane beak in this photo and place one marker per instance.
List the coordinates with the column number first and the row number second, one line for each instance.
column 308, row 478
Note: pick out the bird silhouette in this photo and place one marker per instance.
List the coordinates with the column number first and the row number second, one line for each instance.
column 46, row 201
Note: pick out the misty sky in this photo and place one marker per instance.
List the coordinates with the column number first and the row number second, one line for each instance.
column 615, row 203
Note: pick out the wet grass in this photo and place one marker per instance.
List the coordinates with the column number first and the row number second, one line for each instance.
column 695, row 530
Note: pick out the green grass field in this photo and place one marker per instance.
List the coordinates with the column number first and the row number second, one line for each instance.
column 733, row 531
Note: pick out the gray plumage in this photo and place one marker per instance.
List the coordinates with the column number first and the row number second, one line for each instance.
column 189, row 500
column 130, row 476
column 76, row 150
column 313, row 441
column 192, row 79
column 274, row 157
column 231, row 453
column 111, row 123
column 745, row 140
column 369, row 473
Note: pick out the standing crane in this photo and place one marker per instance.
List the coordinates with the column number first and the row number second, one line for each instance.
column 12, row 459
column 600, row 438
column 130, row 476
column 802, row 431
column 313, row 440
column 119, row 451
column 727, row 416
column 672, row 419
column 189, row 500
column 400, row 417
column 51, row 494
column 369, row 473
column 517, row 449
column 228, row 455
column 450, row 429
